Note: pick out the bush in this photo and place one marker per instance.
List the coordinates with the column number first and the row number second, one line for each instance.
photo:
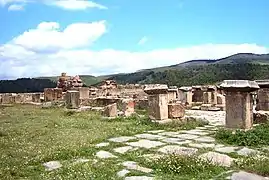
column 258, row 136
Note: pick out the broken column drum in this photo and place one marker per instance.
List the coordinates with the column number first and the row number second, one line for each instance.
column 157, row 101
column 263, row 95
column 72, row 99
column 239, row 103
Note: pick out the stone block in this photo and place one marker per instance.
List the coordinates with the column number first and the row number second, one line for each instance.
column 158, row 106
column 205, row 107
column 72, row 99
column 156, row 89
column 261, row 117
column 84, row 92
column 53, row 94
column 128, row 107
column 110, row 110
column 36, row 97
column 239, row 103
column 172, row 94
column 176, row 111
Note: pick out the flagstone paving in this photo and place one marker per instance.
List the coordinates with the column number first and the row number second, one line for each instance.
column 156, row 143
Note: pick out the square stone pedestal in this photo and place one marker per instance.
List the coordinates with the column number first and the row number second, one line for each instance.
column 158, row 101
column 239, row 104
column 72, row 99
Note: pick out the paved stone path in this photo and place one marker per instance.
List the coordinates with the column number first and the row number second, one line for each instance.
column 160, row 142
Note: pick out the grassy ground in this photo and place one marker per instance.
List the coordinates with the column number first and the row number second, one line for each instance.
column 30, row 136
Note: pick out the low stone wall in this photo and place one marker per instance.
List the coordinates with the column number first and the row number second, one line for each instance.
column 18, row 98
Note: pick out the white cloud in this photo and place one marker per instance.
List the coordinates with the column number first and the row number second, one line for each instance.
column 48, row 51
column 143, row 40
column 75, row 4
column 16, row 7
column 47, row 36
column 63, row 4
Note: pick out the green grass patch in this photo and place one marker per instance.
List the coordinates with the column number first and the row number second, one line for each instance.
column 184, row 167
column 254, row 164
column 258, row 136
column 31, row 135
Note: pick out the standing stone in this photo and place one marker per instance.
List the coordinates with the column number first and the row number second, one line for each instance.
column 110, row 110
column 128, row 107
column 36, row 97
column 263, row 95
column 210, row 96
column 172, row 94
column 221, row 102
column 239, row 103
column 52, row 94
column 176, row 110
column 197, row 94
column 72, row 99
column 185, row 95
column 158, row 101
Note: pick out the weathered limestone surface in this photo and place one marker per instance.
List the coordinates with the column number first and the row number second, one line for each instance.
column 158, row 101
column 128, row 107
column 72, row 99
column 110, row 110
column 36, row 97
column 239, row 104
column 263, row 95
column 52, row 94
column 172, row 94
column 176, row 110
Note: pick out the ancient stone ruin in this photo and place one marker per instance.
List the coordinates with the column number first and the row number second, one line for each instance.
column 239, row 103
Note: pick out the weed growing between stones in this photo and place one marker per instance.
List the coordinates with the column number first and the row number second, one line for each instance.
column 254, row 164
column 258, row 136
column 185, row 167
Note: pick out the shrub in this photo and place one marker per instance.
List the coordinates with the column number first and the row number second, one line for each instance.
column 257, row 136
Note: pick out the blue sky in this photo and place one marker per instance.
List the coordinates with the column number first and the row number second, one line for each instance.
column 109, row 36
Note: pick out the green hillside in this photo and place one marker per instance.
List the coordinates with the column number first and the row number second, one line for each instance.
column 195, row 72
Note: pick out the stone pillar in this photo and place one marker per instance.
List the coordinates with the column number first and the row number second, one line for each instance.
column 263, row 95
column 158, row 101
column 72, row 99
column 197, row 94
column 110, row 110
column 239, row 103
column 128, row 107
column 221, row 102
column 52, row 94
column 185, row 95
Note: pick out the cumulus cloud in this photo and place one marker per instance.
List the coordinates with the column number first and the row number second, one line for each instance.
column 47, row 50
column 143, row 40
column 63, row 4
column 47, row 36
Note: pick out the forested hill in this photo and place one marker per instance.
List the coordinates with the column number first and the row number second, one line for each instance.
column 195, row 72
column 24, row 85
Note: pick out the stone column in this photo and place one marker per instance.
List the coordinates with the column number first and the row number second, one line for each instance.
column 263, row 95
column 72, row 99
column 158, row 101
column 239, row 103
